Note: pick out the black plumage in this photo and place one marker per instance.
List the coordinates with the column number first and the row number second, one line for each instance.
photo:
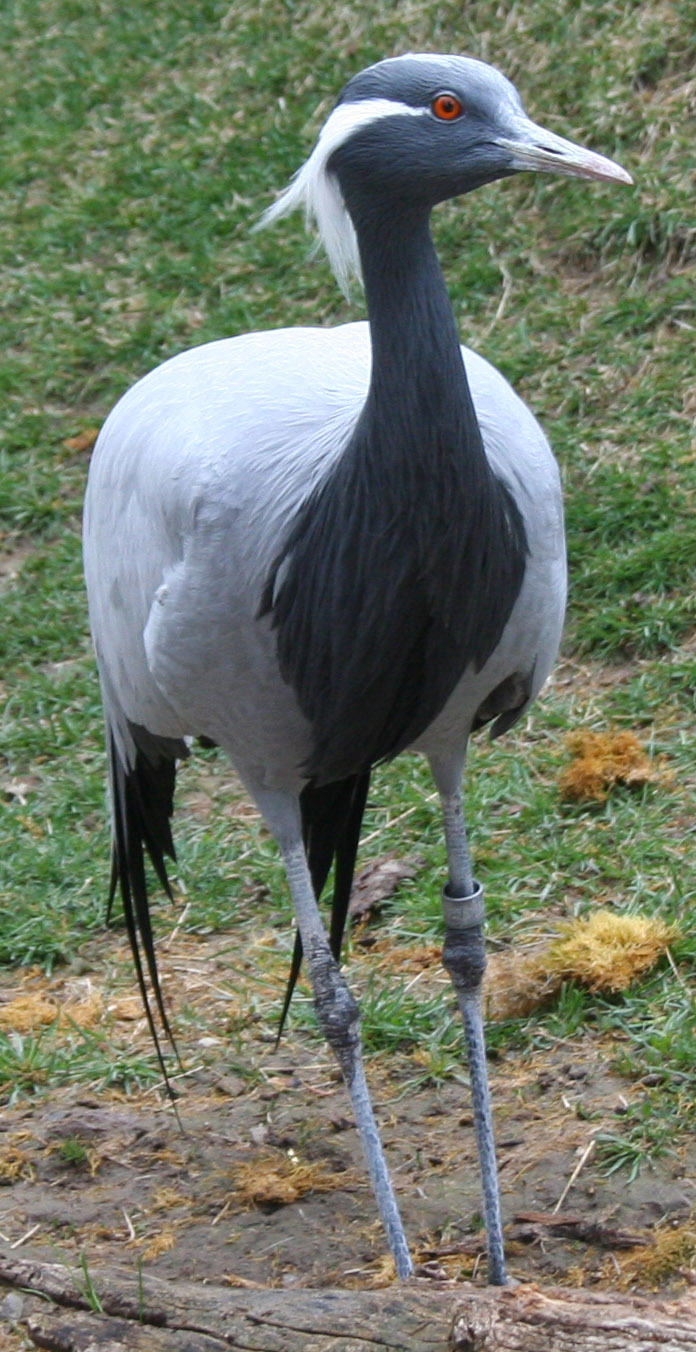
column 405, row 563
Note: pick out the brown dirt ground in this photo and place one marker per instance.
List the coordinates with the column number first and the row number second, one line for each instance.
column 263, row 1181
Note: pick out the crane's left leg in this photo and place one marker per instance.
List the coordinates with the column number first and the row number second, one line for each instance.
column 464, row 956
column 337, row 1012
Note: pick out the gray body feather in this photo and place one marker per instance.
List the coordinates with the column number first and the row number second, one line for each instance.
column 196, row 476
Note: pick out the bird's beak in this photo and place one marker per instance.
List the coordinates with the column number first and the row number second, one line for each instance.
column 533, row 147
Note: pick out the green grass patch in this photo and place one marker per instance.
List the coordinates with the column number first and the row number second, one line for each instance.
column 140, row 145
column 41, row 1061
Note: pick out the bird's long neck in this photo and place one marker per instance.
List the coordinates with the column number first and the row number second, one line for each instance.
column 419, row 395
column 403, row 566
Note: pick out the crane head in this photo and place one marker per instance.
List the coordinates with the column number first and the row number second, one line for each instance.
column 415, row 130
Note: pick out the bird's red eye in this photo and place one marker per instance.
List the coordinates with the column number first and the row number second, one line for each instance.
column 446, row 107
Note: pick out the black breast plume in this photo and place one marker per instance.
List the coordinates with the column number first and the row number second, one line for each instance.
column 400, row 571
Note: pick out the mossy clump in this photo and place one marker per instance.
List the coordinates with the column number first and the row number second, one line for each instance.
column 608, row 952
column 601, row 760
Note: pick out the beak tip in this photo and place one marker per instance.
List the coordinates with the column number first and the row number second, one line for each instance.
column 617, row 174
column 535, row 148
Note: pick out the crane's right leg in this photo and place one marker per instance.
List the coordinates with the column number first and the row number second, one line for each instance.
column 338, row 1015
column 464, row 956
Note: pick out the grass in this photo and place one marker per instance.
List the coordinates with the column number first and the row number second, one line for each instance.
column 139, row 147
column 42, row 1061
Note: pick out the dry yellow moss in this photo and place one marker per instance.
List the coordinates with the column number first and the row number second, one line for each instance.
column 15, row 1163
column 29, row 1012
column 162, row 1243
column 607, row 952
column 278, row 1179
column 604, row 951
column 85, row 1013
column 672, row 1254
column 126, row 1009
column 604, row 759
column 167, row 1198
column 517, row 982
column 410, row 958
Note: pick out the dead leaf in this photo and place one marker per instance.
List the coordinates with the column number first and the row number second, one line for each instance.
column 83, row 441
column 379, row 880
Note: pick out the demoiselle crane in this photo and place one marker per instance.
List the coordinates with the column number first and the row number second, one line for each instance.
column 317, row 547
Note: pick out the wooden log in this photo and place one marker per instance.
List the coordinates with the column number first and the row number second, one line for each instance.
column 413, row 1318
column 112, row 1311
column 80, row 1332
column 527, row 1319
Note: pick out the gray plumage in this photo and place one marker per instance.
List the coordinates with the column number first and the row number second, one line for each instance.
column 316, row 547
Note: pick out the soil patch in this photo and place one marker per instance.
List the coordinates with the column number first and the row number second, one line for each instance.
column 261, row 1180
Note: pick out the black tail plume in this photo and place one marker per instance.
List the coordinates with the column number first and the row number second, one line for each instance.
column 331, row 819
column 143, row 797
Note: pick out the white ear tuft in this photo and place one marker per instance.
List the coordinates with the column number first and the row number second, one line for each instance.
column 315, row 189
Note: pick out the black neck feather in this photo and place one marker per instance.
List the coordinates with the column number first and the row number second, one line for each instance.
column 403, row 566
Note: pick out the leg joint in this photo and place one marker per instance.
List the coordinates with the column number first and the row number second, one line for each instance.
column 337, row 1010
column 464, row 956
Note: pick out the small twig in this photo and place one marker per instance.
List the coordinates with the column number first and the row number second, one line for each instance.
column 506, row 291
column 18, row 1242
column 579, row 1166
column 222, row 1212
column 162, row 1084
column 174, row 934
column 675, row 971
column 613, row 1259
